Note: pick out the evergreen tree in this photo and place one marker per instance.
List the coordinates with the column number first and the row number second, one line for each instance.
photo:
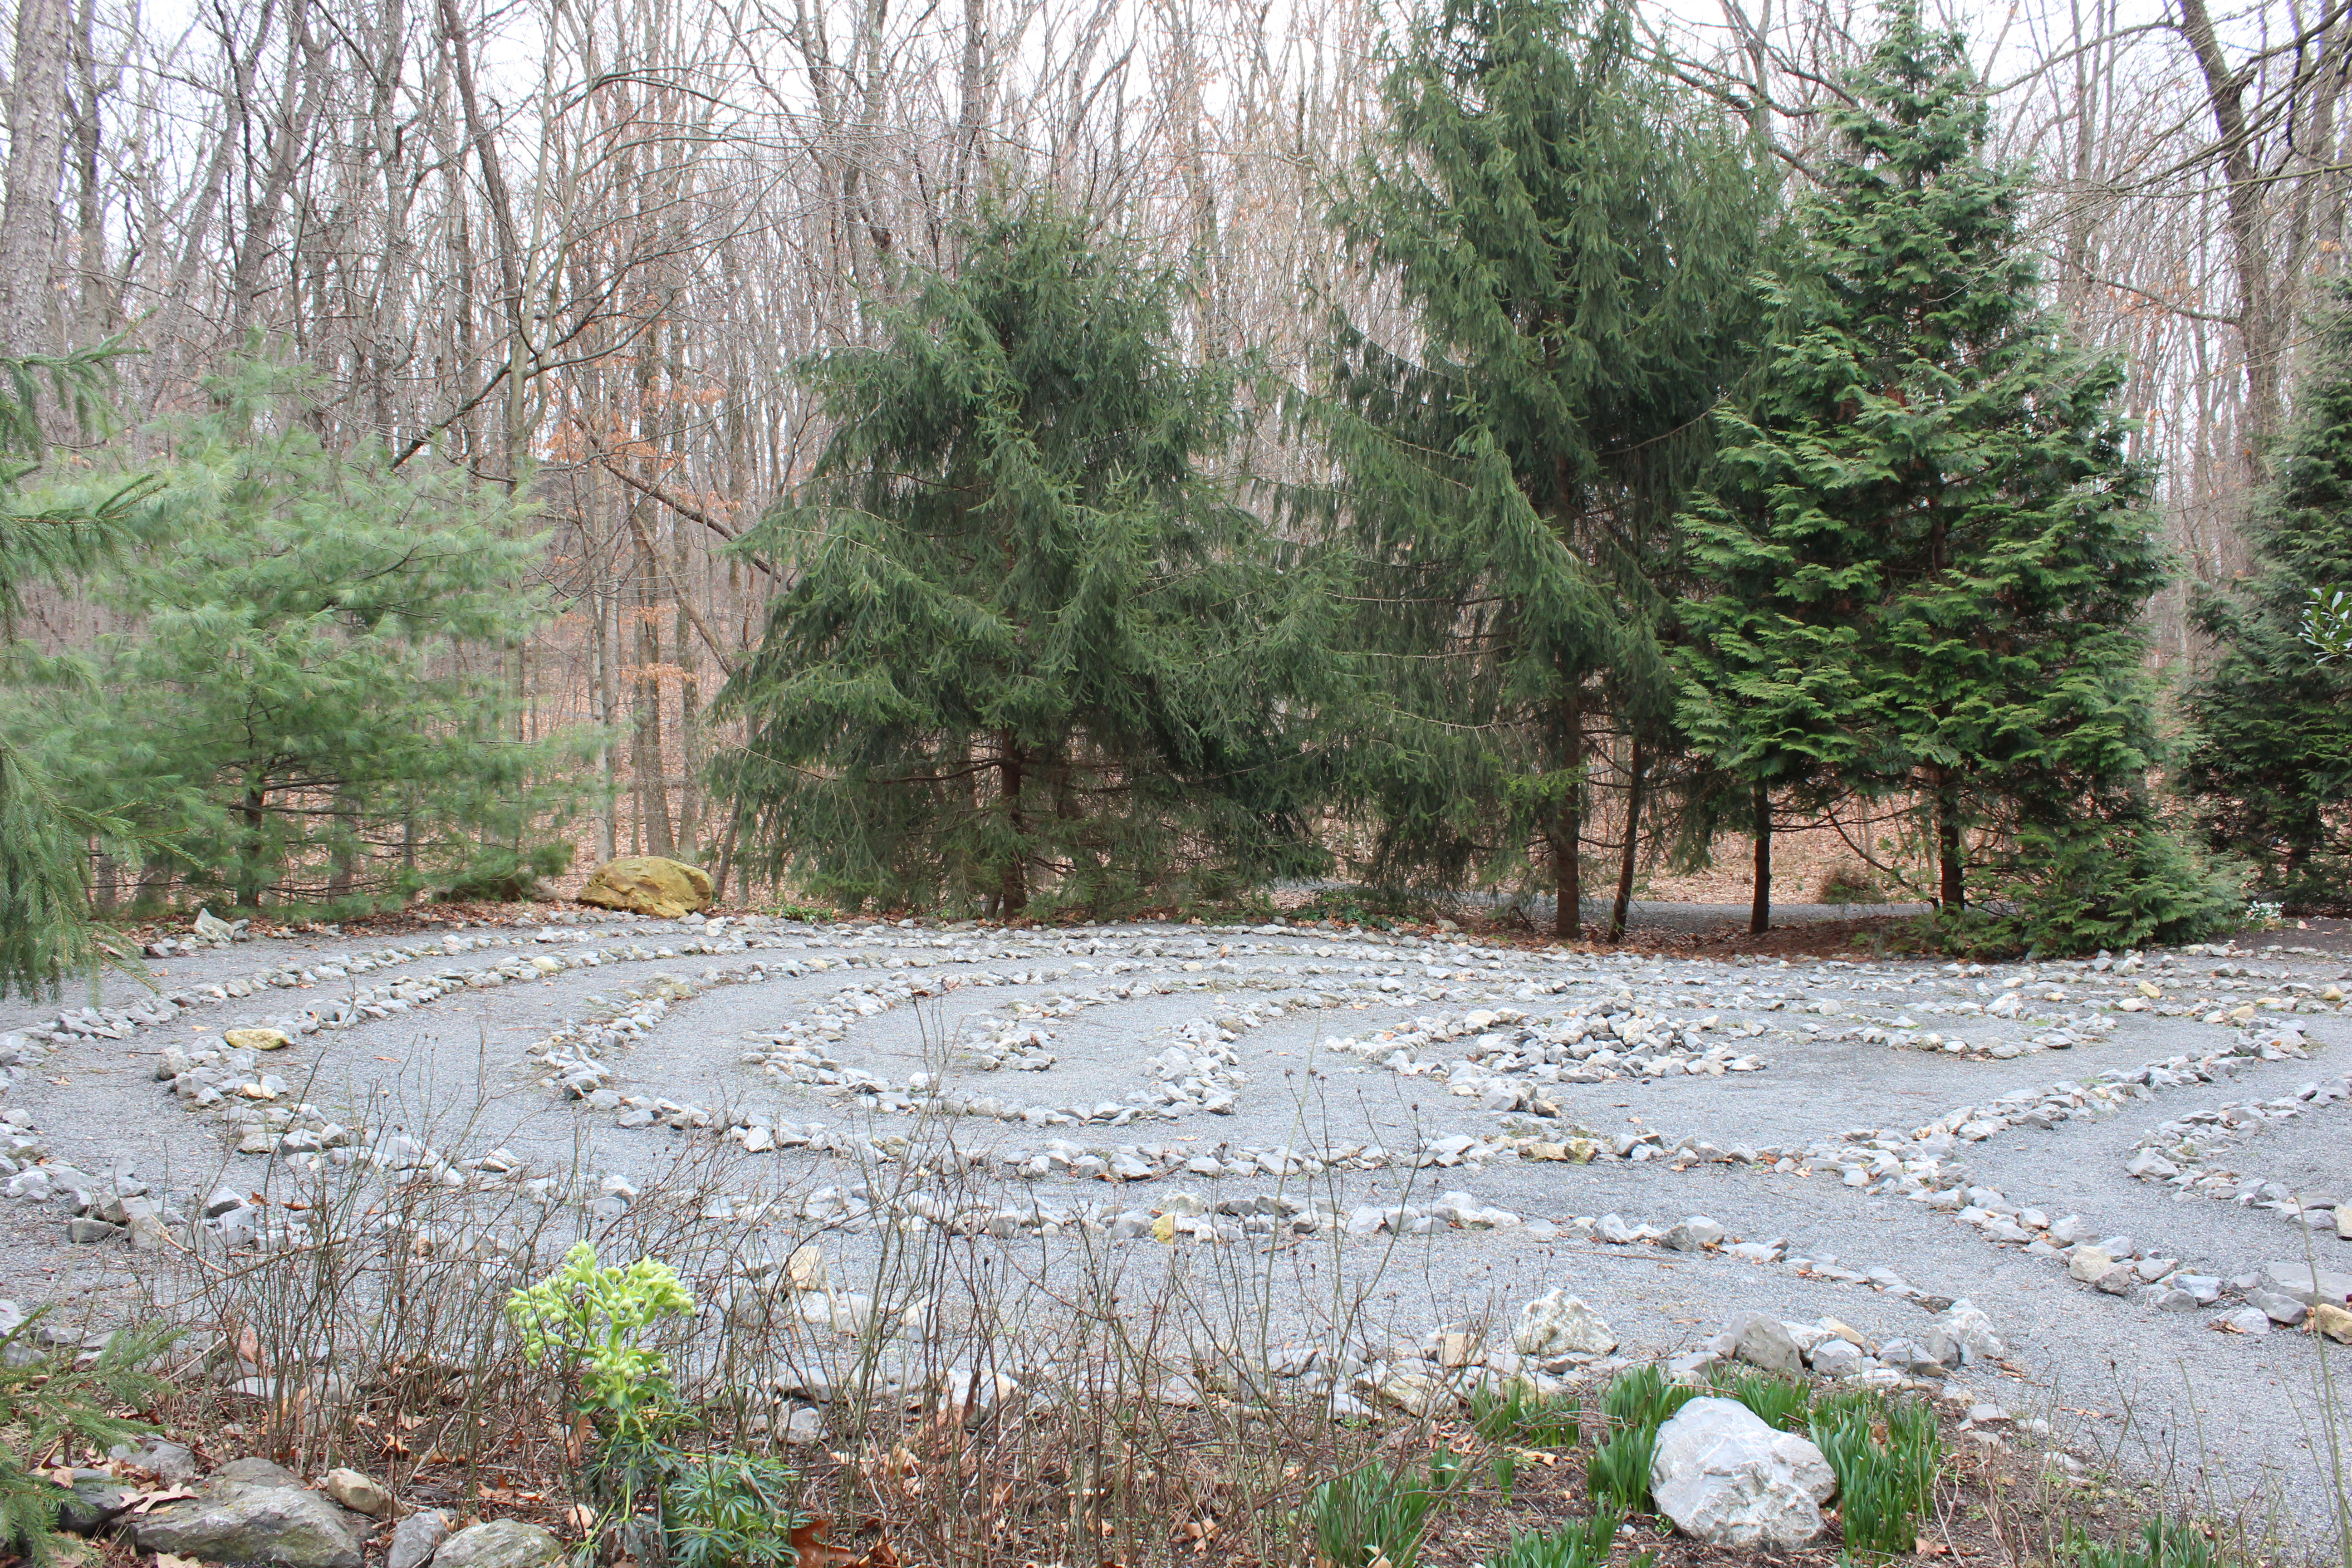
column 2272, row 759
column 1571, row 234
column 306, row 699
column 46, row 928
column 1928, row 548
column 1031, row 647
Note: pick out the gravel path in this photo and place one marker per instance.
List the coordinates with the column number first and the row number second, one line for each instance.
column 1452, row 1128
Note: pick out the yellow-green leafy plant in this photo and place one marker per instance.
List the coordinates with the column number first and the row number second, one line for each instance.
column 591, row 1320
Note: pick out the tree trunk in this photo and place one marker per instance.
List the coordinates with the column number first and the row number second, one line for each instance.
column 253, row 809
column 1567, row 829
column 1759, row 900
column 2267, row 292
column 1639, row 772
column 653, row 791
column 1952, row 893
column 36, row 141
column 605, row 703
column 1012, row 884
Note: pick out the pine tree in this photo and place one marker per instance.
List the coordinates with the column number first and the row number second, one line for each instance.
column 299, row 703
column 1928, row 547
column 1033, row 651
column 2270, row 762
column 1571, row 234
column 46, row 927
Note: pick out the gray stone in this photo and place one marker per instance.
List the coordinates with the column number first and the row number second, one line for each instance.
column 1968, row 1327
column 2280, row 1309
column 1696, row 1233
column 171, row 1462
column 252, row 1512
column 2204, row 1288
column 1727, row 1478
column 1835, row 1358
column 1764, row 1341
column 92, row 1506
column 1903, row 1355
column 2307, row 1284
column 415, row 1539
column 2088, row 1263
column 500, row 1543
column 2244, row 1321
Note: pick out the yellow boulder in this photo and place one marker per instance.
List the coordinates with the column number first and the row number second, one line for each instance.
column 258, row 1039
column 648, row 885
column 2332, row 1321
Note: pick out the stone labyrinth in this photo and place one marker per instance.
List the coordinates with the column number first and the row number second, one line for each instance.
column 2094, row 1202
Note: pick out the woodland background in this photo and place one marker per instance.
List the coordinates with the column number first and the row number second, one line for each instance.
column 572, row 249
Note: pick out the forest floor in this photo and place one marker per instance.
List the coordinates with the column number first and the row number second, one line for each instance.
column 1263, row 1140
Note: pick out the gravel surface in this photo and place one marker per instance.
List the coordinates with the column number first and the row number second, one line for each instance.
column 1952, row 1128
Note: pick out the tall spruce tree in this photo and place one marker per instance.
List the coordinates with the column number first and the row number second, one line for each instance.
column 2270, row 762
column 1032, row 649
column 1928, row 547
column 1570, row 233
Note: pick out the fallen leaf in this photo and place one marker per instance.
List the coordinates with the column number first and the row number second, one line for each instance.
column 812, row 1550
column 142, row 1501
column 1927, row 1548
column 165, row 1560
column 581, row 1516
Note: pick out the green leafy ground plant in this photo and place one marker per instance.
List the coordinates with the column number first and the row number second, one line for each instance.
column 1884, row 1487
column 2161, row 1542
column 1376, row 1515
column 1582, row 1544
column 1636, row 1404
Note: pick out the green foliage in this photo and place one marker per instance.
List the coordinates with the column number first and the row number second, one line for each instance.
column 2326, row 625
column 50, row 1403
column 1637, row 1404
column 307, row 696
column 1778, row 1401
column 1374, row 1514
column 2163, row 1542
column 504, row 876
column 731, row 1510
column 2079, row 887
column 1583, row 1544
column 1569, row 230
column 1644, row 1397
column 2270, row 766
column 1030, row 646
column 1884, row 1488
column 46, row 928
column 588, row 1320
column 1927, row 543
column 590, row 1317
column 1618, row 1474
column 717, row 1509
column 1519, row 1415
